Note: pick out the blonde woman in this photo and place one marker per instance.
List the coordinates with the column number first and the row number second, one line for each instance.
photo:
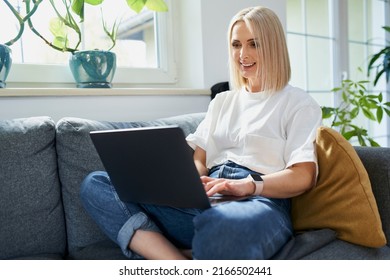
column 256, row 140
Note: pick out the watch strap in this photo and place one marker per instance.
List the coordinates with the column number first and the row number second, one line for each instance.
column 257, row 180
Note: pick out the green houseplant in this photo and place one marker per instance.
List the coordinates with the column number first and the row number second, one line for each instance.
column 380, row 62
column 5, row 51
column 90, row 68
column 356, row 102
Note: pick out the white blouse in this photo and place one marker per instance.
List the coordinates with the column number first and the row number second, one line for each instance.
column 264, row 132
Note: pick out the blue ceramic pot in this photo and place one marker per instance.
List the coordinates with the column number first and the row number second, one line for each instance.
column 93, row 69
column 5, row 63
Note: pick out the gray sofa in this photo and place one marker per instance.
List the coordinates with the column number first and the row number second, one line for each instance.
column 42, row 164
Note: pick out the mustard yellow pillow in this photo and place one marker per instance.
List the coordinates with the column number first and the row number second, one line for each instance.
column 343, row 198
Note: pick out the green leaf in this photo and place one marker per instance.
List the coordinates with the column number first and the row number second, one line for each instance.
column 338, row 124
column 112, row 34
column 349, row 134
column 78, row 8
column 379, row 114
column 354, row 112
column 375, row 57
column 378, row 75
column 387, row 28
column 355, row 102
column 94, row 2
column 344, row 96
column 372, row 104
column 327, row 112
column 387, row 111
column 60, row 42
column 156, row 5
column 369, row 114
column 373, row 143
column 336, row 89
column 57, row 27
column 361, row 141
column 136, row 5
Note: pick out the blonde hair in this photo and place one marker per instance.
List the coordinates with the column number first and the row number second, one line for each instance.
column 274, row 66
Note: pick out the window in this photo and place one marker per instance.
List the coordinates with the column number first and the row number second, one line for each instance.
column 142, row 45
column 329, row 40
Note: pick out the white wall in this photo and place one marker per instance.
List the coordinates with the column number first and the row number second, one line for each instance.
column 202, row 38
column 117, row 105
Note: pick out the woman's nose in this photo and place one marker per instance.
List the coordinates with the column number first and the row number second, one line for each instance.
column 243, row 53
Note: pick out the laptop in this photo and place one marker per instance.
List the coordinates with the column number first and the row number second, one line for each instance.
column 153, row 165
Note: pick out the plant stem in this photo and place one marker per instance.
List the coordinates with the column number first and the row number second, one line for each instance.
column 21, row 23
column 36, row 32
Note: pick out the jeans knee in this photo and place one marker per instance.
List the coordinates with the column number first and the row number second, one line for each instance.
column 210, row 239
column 239, row 232
column 90, row 183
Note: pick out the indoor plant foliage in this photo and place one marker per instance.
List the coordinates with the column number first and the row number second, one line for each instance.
column 356, row 101
column 383, row 57
column 5, row 51
column 70, row 15
column 95, row 67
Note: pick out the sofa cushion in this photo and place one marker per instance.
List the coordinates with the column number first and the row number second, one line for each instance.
column 377, row 163
column 303, row 244
column 77, row 157
column 343, row 199
column 102, row 250
column 342, row 250
column 31, row 213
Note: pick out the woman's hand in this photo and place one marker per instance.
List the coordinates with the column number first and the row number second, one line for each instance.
column 238, row 187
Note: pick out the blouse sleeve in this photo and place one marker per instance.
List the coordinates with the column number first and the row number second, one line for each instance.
column 301, row 135
column 200, row 136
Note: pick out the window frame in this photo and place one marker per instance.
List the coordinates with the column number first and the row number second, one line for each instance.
column 51, row 76
column 340, row 63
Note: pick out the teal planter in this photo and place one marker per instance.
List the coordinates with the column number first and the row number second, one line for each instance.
column 5, row 63
column 93, row 69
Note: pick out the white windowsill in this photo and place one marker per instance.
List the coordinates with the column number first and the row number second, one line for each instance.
column 63, row 92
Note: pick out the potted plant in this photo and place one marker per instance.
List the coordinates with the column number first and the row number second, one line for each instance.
column 356, row 101
column 90, row 68
column 5, row 51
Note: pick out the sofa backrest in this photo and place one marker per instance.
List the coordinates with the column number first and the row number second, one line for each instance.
column 377, row 163
column 33, row 185
column 31, row 213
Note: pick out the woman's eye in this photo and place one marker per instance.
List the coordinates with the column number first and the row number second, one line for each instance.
column 236, row 45
column 253, row 44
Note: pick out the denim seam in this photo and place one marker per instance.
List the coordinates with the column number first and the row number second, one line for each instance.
column 119, row 202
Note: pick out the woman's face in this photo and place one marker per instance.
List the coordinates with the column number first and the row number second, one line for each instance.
column 245, row 54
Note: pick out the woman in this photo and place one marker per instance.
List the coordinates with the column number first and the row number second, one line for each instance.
column 256, row 140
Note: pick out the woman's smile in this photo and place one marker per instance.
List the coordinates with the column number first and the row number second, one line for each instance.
column 247, row 66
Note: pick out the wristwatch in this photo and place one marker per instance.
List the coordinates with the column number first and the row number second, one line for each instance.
column 259, row 183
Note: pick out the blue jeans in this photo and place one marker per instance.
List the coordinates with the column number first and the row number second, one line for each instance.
column 255, row 228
